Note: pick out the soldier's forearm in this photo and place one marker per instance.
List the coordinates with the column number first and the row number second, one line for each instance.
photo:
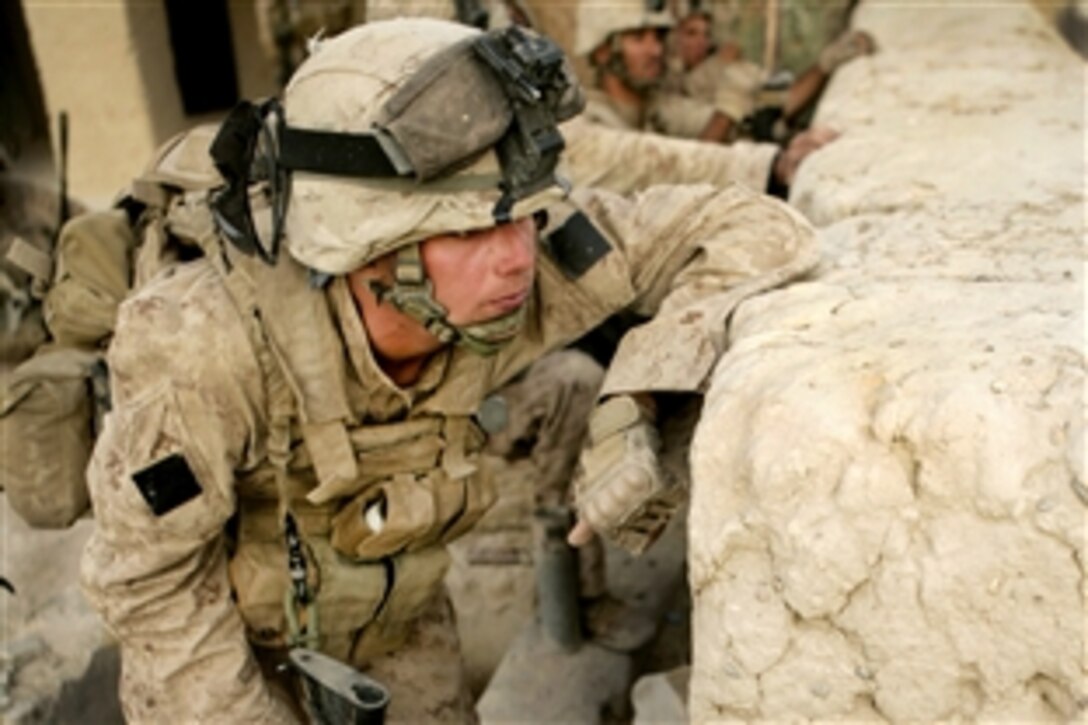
column 804, row 91
column 718, row 129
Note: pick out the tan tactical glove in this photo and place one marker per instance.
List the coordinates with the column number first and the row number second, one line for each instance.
column 844, row 49
column 621, row 492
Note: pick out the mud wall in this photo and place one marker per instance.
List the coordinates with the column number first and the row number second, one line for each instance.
column 110, row 66
column 888, row 508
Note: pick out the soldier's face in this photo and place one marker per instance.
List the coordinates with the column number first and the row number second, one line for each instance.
column 485, row 274
column 643, row 55
column 693, row 40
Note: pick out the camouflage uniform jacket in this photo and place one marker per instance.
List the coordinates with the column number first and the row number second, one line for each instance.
column 189, row 386
column 624, row 162
column 733, row 87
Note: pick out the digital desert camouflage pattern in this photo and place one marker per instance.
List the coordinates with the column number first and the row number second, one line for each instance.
column 607, row 147
column 669, row 114
column 624, row 160
column 731, row 86
column 190, row 602
column 534, row 411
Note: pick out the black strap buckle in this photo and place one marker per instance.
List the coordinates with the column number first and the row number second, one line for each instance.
column 296, row 561
column 531, row 68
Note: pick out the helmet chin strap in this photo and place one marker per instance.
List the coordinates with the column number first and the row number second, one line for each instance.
column 487, row 338
column 413, row 294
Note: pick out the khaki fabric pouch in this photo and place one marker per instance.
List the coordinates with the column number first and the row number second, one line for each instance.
column 92, row 277
column 347, row 595
column 47, row 418
column 414, row 511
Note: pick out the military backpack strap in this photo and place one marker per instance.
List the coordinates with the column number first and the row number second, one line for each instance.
column 304, row 381
column 302, row 336
column 299, row 600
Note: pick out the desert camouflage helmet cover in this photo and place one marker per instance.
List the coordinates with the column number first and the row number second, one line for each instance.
column 335, row 224
column 683, row 8
column 599, row 20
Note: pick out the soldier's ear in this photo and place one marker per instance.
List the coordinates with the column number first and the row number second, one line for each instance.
column 599, row 58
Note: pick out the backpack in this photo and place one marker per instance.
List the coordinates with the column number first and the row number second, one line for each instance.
column 52, row 404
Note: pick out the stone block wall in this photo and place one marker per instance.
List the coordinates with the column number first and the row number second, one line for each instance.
column 888, row 509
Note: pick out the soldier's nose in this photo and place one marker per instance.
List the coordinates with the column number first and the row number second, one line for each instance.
column 514, row 247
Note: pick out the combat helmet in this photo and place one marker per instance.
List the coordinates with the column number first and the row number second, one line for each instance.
column 394, row 132
column 600, row 23
column 685, row 8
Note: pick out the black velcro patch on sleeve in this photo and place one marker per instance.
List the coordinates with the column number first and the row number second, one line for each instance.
column 577, row 245
column 167, row 484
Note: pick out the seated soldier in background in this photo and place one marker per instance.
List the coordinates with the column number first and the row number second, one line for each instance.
column 624, row 43
column 699, row 69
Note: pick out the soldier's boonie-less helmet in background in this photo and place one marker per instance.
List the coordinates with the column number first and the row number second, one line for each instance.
column 600, row 21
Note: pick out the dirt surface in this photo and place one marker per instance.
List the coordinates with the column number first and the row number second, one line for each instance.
column 49, row 634
column 492, row 583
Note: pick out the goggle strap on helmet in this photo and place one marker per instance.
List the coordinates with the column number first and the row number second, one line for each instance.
column 244, row 154
column 337, row 154
column 522, row 90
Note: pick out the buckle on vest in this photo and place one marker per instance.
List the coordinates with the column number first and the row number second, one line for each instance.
column 298, row 596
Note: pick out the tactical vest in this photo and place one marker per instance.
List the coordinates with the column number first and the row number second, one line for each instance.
column 425, row 476
column 374, row 505
column 422, row 478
